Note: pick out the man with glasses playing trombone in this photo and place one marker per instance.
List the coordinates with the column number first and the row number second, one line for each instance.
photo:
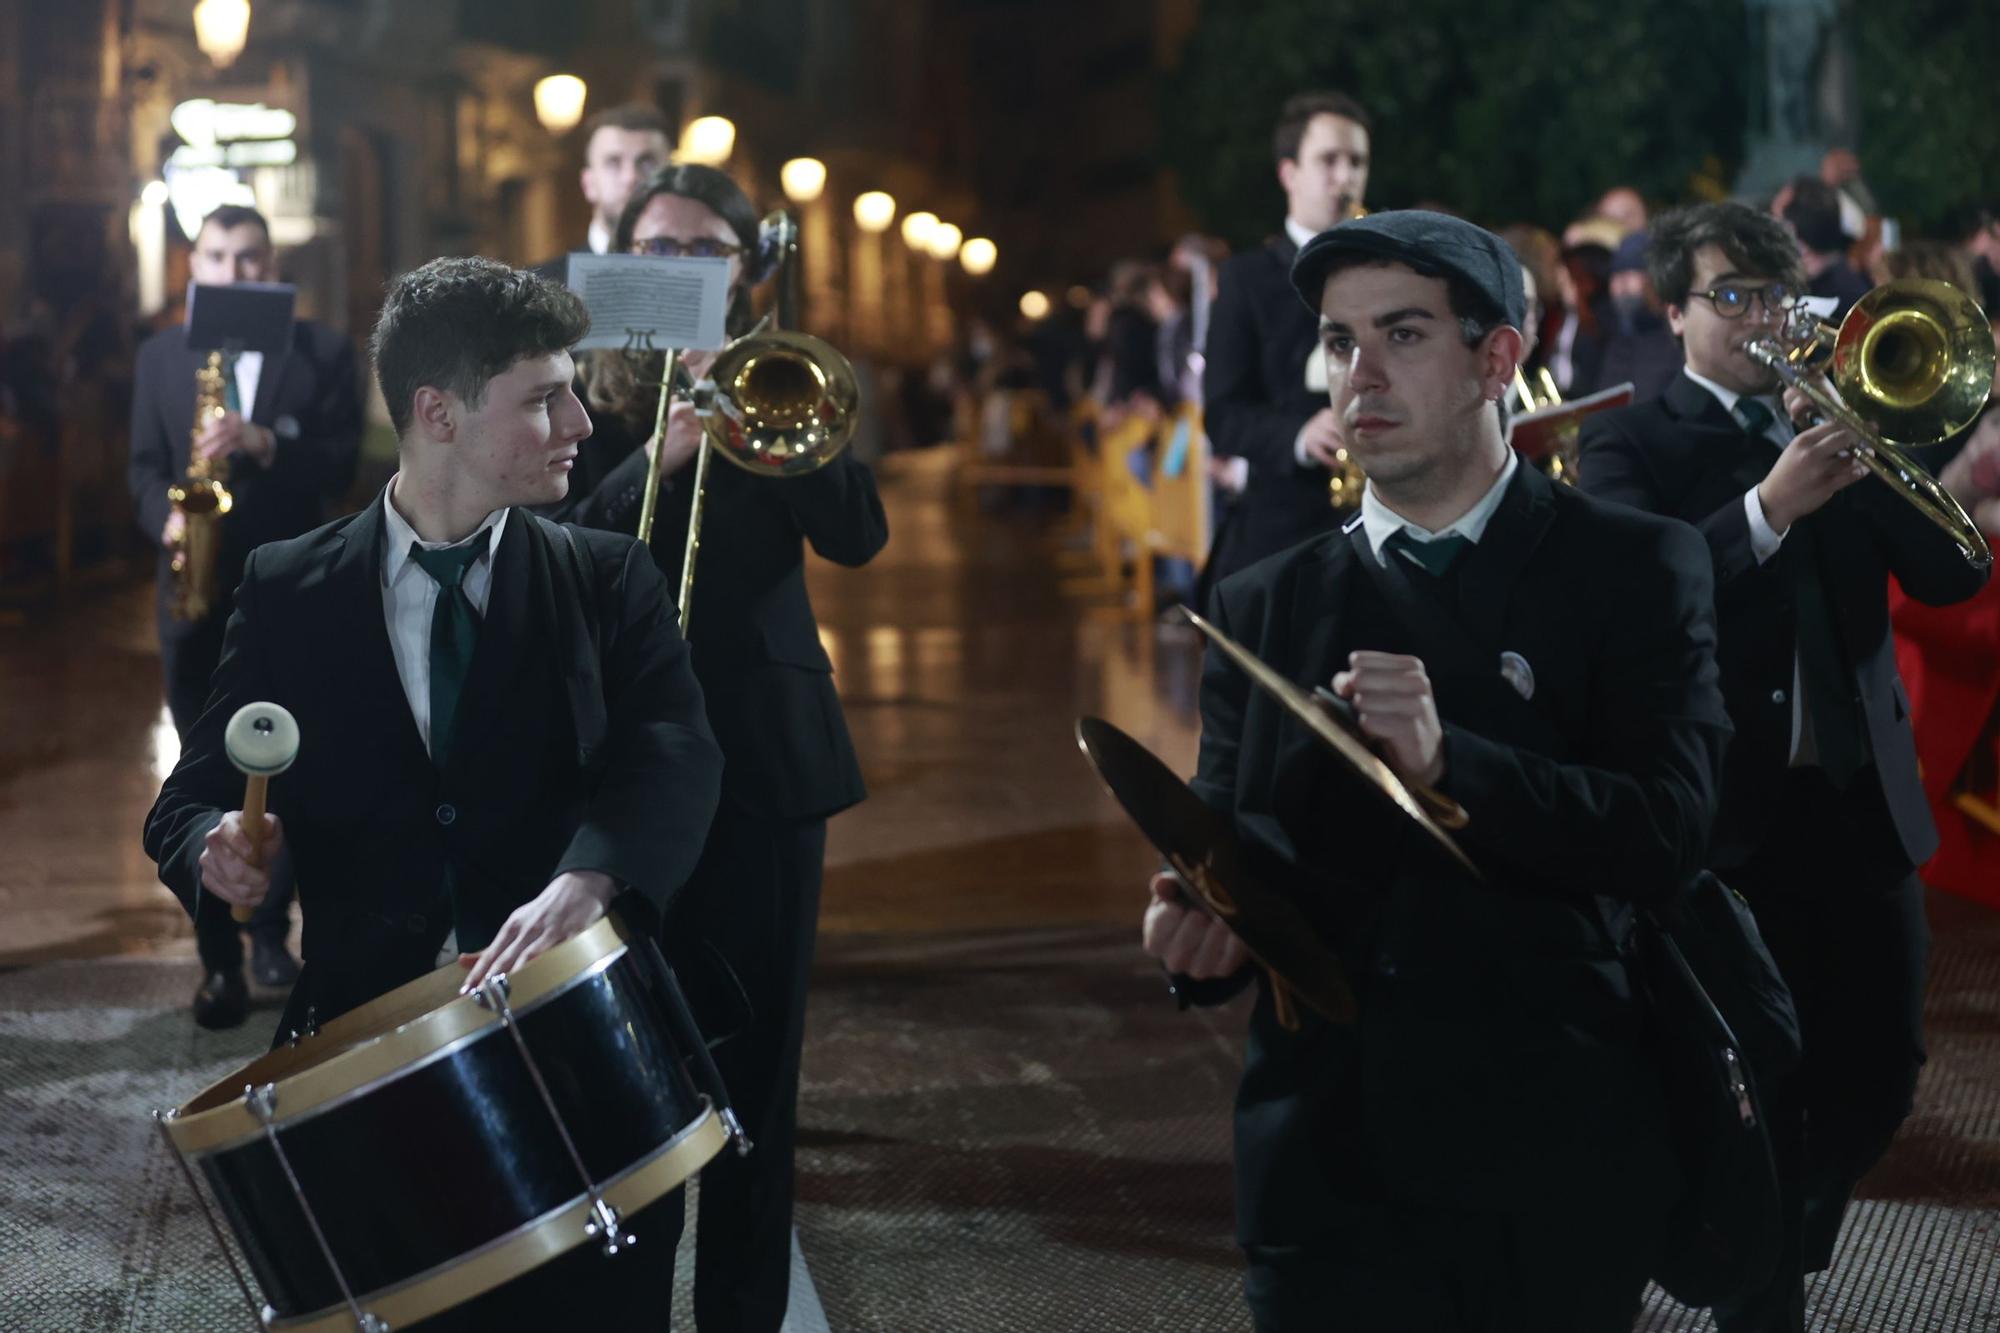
column 1822, row 819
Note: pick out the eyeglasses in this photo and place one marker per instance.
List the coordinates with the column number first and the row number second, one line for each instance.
column 1732, row 299
column 672, row 247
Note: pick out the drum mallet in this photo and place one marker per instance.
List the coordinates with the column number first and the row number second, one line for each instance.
column 262, row 740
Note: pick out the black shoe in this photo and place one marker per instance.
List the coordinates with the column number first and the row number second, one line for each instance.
column 222, row 1002
column 272, row 964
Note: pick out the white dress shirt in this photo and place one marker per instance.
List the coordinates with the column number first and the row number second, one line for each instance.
column 1379, row 522
column 409, row 596
column 249, row 370
column 600, row 237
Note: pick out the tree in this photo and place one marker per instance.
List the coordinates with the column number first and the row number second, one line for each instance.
column 1930, row 115
column 1513, row 110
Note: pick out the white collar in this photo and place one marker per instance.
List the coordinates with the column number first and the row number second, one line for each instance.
column 1299, row 233
column 600, row 237
column 1380, row 522
column 401, row 536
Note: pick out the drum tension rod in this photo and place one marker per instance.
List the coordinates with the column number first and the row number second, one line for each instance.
column 263, row 1104
column 604, row 1222
column 261, row 1315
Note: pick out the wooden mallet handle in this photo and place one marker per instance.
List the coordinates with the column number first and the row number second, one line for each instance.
column 254, row 792
column 262, row 740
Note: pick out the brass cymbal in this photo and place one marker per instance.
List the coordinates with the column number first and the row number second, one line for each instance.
column 1204, row 852
column 1432, row 812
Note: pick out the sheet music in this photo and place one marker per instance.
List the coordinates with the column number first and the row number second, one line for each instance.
column 648, row 302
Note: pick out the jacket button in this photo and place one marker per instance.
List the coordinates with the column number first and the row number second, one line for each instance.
column 414, row 923
column 446, row 813
column 1779, row 696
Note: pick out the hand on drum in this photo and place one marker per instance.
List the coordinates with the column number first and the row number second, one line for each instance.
column 229, row 871
column 1187, row 940
column 572, row 901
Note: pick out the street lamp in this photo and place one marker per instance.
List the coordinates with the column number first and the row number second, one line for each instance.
column 559, row 102
column 944, row 241
column 874, row 211
column 1035, row 305
column 221, row 27
column 708, row 141
column 917, row 229
column 978, row 256
column 803, row 178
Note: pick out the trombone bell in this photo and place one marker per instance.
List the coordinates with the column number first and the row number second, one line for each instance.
column 785, row 403
column 1915, row 358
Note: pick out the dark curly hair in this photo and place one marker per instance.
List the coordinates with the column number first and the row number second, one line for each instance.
column 1755, row 242
column 455, row 324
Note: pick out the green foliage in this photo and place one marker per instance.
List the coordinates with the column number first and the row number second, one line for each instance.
column 1930, row 109
column 1505, row 111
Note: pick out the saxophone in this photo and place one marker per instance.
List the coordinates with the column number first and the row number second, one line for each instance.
column 201, row 499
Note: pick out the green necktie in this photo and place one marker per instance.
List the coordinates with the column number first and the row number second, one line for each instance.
column 1436, row 556
column 454, row 631
column 1756, row 417
column 232, row 397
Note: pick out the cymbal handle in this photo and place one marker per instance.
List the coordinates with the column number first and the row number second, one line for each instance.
column 253, row 829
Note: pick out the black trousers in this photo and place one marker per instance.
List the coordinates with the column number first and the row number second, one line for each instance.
column 188, row 654
column 754, row 901
column 1388, row 1265
column 1843, row 915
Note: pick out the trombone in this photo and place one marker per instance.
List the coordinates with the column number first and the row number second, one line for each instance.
column 1916, row 358
column 777, row 403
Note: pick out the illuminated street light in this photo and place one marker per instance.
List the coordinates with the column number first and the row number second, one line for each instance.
column 917, row 229
column 708, row 141
column 944, row 241
column 978, row 256
column 1035, row 305
column 559, row 102
column 803, row 178
column 874, row 211
column 221, row 27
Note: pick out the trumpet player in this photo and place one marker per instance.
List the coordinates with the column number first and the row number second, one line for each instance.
column 1822, row 818
column 288, row 438
column 1263, row 388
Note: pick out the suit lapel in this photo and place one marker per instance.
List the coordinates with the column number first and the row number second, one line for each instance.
column 1493, row 568
column 271, row 380
column 1321, row 649
column 372, row 674
column 1721, row 446
column 499, row 669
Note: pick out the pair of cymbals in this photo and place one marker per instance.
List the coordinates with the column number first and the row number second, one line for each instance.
column 1204, row 852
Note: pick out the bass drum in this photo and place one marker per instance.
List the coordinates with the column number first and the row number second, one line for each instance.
column 429, row 1148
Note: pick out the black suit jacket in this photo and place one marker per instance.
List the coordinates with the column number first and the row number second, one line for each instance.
column 1685, row 456
column 767, row 678
column 1255, row 400
column 310, row 397
column 581, row 746
column 1497, row 1062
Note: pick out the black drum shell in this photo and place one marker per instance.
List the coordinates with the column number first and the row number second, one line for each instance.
column 459, row 1150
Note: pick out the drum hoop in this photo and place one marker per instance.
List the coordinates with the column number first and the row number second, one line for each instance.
column 529, row 1245
column 394, row 1048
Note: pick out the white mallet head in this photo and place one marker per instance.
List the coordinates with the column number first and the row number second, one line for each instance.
column 262, row 739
